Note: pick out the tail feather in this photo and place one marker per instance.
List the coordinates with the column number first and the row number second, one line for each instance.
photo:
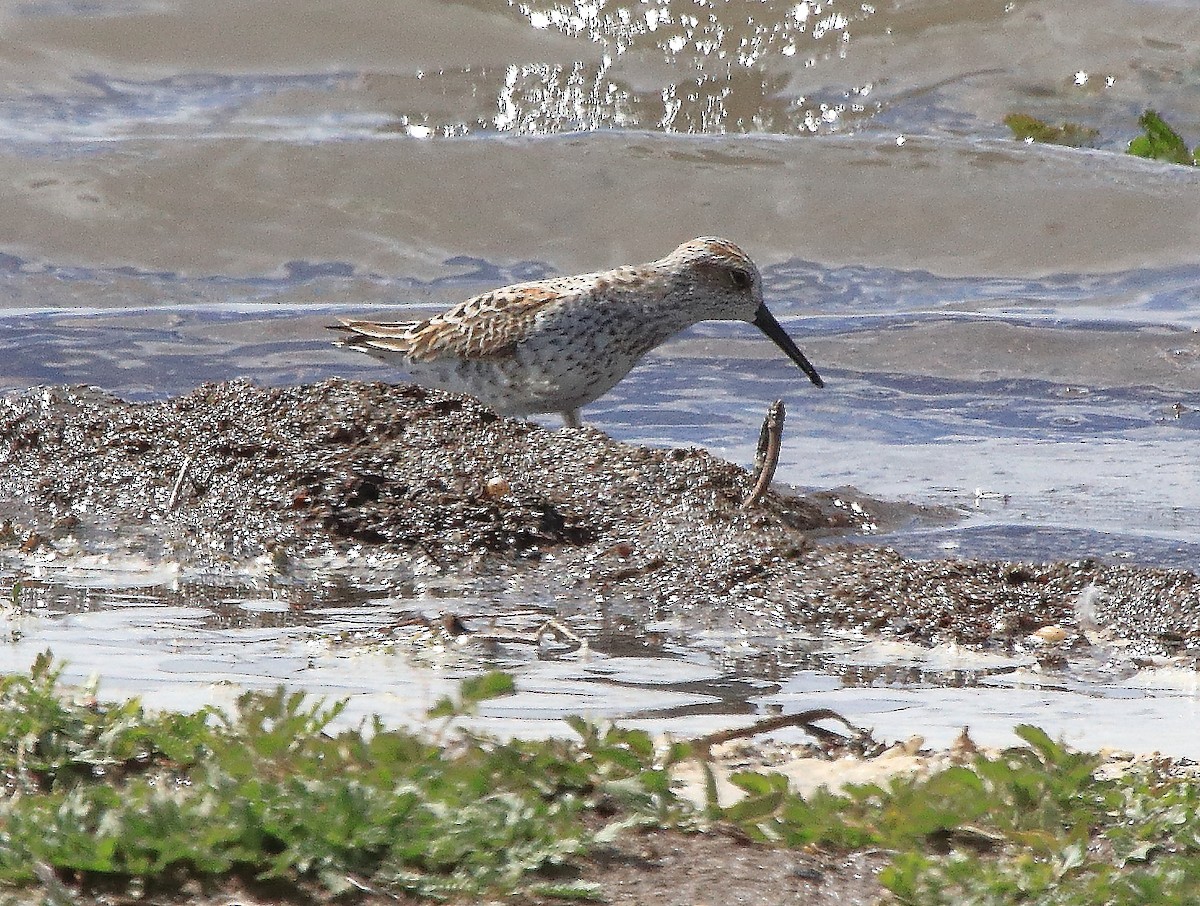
column 392, row 335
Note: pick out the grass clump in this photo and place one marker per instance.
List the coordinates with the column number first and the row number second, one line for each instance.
column 102, row 794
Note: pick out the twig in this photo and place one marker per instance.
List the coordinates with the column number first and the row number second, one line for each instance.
column 804, row 719
column 535, row 637
column 452, row 626
column 701, row 746
column 173, row 501
column 767, row 459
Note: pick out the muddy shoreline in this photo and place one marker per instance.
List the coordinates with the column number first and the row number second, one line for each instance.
column 420, row 483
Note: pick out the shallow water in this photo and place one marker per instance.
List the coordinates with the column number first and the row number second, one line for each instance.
column 194, row 191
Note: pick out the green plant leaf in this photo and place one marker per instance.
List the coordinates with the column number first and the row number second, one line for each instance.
column 1159, row 141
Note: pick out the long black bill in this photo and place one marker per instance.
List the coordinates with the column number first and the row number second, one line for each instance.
column 765, row 321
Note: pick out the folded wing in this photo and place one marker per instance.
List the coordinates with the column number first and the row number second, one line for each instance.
column 483, row 327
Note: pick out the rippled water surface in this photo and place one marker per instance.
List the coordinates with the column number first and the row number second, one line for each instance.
column 192, row 191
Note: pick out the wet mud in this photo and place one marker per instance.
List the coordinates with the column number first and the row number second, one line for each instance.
column 396, row 479
column 305, row 471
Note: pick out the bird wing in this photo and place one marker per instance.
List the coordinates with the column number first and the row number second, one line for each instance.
column 481, row 327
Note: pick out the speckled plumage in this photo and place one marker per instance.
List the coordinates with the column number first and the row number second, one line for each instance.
column 556, row 345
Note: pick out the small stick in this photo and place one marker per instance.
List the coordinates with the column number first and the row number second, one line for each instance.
column 173, row 501
column 767, row 459
column 803, row 719
column 701, row 746
column 532, row 638
column 453, row 627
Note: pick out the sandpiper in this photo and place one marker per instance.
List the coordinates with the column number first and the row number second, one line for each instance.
column 556, row 345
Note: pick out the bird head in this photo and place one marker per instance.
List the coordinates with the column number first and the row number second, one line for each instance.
column 723, row 284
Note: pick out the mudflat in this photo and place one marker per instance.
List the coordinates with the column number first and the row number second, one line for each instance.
column 428, row 482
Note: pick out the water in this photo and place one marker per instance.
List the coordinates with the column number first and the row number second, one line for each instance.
column 1006, row 330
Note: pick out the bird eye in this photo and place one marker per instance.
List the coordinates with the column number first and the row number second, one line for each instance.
column 741, row 279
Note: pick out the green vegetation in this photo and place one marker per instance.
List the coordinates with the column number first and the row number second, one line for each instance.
column 1032, row 825
column 1030, row 128
column 105, row 792
column 106, row 796
column 1159, row 141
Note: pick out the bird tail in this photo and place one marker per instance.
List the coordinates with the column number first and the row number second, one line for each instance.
column 368, row 333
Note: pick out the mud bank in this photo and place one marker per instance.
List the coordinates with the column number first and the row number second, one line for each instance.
column 432, row 484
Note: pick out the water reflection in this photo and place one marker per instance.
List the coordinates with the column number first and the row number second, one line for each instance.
column 190, row 633
column 730, row 68
column 697, row 32
column 540, row 99
column 179, row 649
column 680, row 67
column 535, row 67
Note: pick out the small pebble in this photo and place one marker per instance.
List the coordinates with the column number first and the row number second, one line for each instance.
column 1050, row 635
column 497, row 486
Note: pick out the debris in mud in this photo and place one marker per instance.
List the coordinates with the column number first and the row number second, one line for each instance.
column 231, row 473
